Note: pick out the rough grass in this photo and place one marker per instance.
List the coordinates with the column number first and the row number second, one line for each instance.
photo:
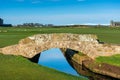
column 113, row 60
column 19, row 68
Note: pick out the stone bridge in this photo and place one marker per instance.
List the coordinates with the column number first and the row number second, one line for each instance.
column 85, row 43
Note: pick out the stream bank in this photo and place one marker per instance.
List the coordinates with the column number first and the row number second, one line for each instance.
column 90, row 68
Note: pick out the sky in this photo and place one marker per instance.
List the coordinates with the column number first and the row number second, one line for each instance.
column 60, row 12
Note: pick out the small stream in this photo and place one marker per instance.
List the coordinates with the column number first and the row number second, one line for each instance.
column 54, row 58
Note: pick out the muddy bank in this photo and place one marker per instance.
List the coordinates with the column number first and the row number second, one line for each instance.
column 88, row 67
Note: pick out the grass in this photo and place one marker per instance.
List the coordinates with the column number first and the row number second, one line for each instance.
column 113, row 60
column 19, row 68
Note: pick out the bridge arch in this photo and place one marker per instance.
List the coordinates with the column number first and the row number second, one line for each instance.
column 42, row 42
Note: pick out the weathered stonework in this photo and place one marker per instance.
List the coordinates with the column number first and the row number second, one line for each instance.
column 85, row 43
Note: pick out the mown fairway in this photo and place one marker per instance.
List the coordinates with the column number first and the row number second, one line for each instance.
column 19, row 68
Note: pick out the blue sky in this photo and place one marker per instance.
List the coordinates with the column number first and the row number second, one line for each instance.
column 60, row 11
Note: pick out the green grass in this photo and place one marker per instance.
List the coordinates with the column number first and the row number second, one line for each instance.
column 13, row 35
column 113, row 60
column 19, row 68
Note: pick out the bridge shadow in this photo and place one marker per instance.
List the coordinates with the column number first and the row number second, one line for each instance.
column 35, row 58
column 69, row 53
